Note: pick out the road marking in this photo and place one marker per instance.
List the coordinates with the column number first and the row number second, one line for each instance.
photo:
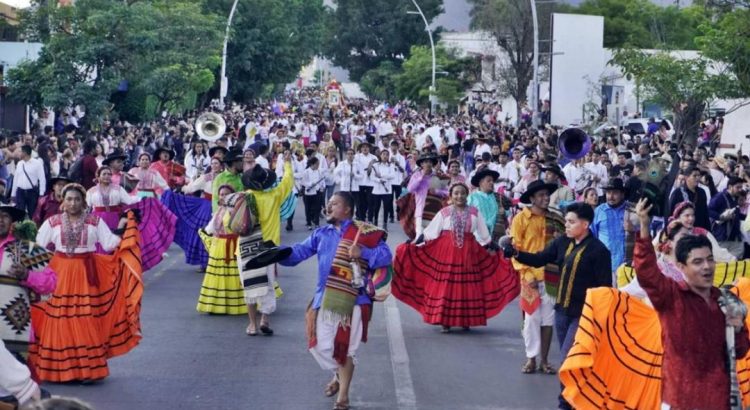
column 405, row 397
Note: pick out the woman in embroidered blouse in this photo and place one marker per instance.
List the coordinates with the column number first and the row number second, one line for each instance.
column 150, row 183
column 685, row 213
column 106, row 200
column 93, row 314
column 452, row 280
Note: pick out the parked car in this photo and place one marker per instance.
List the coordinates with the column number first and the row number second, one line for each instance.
column 639, row 126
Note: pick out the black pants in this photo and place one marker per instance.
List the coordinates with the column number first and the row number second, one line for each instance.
column 26, row 200
column 387, row 202
column 395, row 195
column 312, row 209
column 363, row 198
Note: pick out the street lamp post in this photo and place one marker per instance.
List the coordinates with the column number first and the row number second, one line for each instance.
column 434, row 65
column 535, row 89
column 224, row 87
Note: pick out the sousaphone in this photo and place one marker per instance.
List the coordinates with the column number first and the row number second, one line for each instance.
column 210, row 126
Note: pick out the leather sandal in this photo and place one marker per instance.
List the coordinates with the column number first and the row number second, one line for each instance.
column 341, row 405
column 529, row 367
column 331, row 388
column 546, row 368
column 251, row 331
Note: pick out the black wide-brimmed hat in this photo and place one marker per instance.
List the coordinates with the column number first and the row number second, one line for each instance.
column 55, row 180
column 258, row 178
column 157, row 153
column 482, row 173
column 555, row 169
column 114, row 156
column 269, row 255
column 213, row 150
column 534, row 187
column 428, row 157
column 15, row 213
column 232, row 156
column 615, row 184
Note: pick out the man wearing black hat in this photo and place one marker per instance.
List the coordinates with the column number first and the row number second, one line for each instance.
column 609, row 221
column 49, row 204
column 22, row 283
column 171, row 171
column 563, row 195
column 232, row 176
column 532, row 230
column 116, row 161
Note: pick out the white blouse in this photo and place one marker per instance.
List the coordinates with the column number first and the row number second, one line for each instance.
column 195, row 165
column 381, row 176
column 51, row 232
column 117, row 196
column 348, row 175
column 203, row 183
column 443, row 223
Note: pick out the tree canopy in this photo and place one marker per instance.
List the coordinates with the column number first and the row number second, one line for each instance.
column 365, row 33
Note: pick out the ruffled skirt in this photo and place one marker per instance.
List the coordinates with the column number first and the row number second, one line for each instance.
column 221, row 291
column 451, row 286
column 82, row 325
column 616, row 359
column 193, row 214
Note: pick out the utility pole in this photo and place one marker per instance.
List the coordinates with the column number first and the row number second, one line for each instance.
column 535, row 86
column 433, row 97
column 224, row 86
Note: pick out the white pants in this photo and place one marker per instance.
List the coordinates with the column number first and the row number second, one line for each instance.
column 418, row 226
column 267, row 302
column 543, row 316
column 326, row 332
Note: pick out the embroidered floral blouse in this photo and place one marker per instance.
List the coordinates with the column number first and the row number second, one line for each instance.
column 114, row 196
column 55, row 232
column 444, row 221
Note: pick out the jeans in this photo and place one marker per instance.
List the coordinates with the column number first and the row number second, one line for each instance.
column 565, row 327
column 26, row 200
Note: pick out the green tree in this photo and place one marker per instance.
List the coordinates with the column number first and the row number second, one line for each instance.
column 364, row 33
column 456, row 75
column 164, row 47
column 683, row 85
column 728, row 41
column 380, row 83
column 510, row 24
column 271, row 41
column 643, row 24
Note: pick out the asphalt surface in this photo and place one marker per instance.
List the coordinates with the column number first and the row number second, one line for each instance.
column 188, row 360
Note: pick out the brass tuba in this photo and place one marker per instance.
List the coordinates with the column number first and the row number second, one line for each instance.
column 210, row 126
column 574, row 143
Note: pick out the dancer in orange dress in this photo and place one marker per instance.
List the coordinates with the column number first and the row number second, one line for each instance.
column 94, row 312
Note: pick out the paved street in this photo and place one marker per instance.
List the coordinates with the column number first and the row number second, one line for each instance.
column 188, row 360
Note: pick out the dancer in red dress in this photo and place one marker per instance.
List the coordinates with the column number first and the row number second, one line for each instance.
column 452, row 280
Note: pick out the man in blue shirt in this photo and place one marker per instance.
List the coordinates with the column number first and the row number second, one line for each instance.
column 609, row 221
column 340, row 310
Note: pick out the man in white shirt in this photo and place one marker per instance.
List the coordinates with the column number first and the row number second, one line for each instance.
column 29, row 182
column 508, row 173
column 576, row 175
column 364, row 159
column 598, row 172
column 398, row 177
column 482, row 146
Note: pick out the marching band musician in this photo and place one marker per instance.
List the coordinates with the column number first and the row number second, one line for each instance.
column 381, row 173
column 313, row 183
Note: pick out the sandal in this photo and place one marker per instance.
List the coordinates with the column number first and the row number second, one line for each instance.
column 267, row 331
column 341, row 405
column 445, row 329
column 546, row 368
column 331, row 388
column 529, row 367
column 251, row 331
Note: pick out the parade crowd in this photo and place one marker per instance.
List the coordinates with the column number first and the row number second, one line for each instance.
column 616, row 245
